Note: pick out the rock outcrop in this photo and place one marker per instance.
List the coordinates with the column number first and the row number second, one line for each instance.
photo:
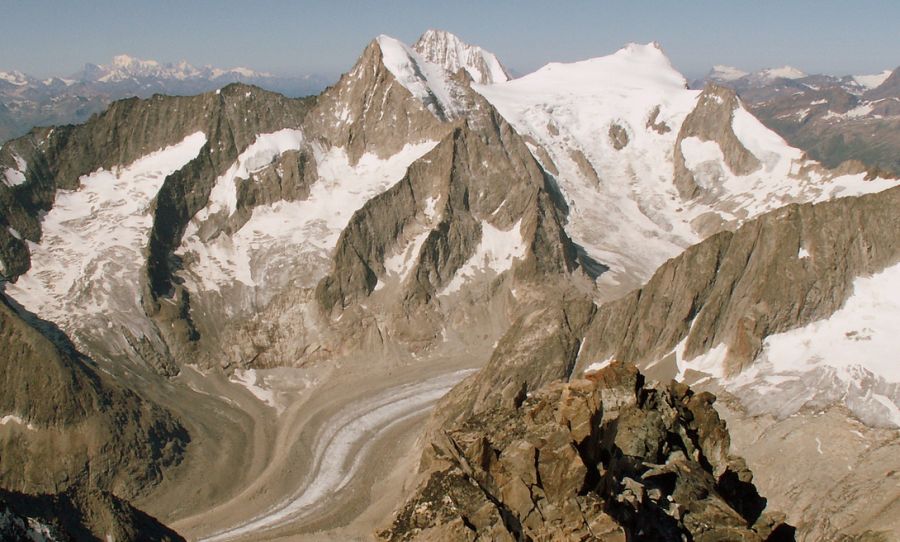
column 79, row 514
column 606, row 458
column 711, row 120
column 448, row 51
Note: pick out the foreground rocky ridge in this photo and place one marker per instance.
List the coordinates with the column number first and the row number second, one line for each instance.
column 724, row 292
column 605, row 457
column 79, row 514
column 64, row 406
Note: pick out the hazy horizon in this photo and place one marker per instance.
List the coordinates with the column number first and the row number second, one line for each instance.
column 319, row 38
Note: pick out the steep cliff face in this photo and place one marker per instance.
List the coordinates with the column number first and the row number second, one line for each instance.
column 446, row 50
column 371, row 110
column 56, row 403
column 606, row 457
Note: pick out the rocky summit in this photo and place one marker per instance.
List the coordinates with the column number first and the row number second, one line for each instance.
column 606, row 457
column 394, row 309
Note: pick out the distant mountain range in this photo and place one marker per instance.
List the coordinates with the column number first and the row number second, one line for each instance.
column 27, row 101
column 833, row 119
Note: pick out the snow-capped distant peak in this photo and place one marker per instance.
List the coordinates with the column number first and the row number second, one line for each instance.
column 872, row 81
column 14, row 77
column 784, row 72
column 721, row 72
column 125, row 67
column 447, row 50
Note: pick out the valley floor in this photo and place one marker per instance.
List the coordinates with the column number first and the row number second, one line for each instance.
column 328, row 457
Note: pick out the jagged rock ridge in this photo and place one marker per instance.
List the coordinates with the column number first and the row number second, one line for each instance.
column 601, row 458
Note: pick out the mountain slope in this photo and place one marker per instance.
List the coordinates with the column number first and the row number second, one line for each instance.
column 446, row 50
column 240, row 258
column 648, row 167
column 58, row 403
column 711, row 317
column 834, row 119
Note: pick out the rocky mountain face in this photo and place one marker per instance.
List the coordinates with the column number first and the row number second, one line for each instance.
column 57, row 403
column 605, row 457
column 445, row 49
column 77, row 514
column 834, row 119
column 27, row 102
column 425, row 207
column 717, row 314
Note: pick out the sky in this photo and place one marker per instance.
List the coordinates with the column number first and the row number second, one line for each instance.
column 45, row 37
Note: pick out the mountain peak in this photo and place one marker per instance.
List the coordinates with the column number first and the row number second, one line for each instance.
column 874, row 80
column 784, row 72
column 721, row 72
column 14, row 77
column 449, row 51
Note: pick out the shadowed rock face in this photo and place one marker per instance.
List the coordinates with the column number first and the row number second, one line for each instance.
column 605, row 457
column 76, row 515
column 109, row 435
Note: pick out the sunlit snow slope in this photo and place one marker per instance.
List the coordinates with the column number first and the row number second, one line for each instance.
column 623, row 205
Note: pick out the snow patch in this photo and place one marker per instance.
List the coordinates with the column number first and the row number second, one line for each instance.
column 849, row 358
column 16, row 176
column 16, row 420
column 764, row 144
column 402, row 262
column 597, row 366
column 726, row 73
column 448, row 51
column 784, row 72
column 256, row 385
column 696, row 151
column 495, row 253
column 426, row 81
column 863, row 332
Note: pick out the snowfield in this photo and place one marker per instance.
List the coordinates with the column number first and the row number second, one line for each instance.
column 84, row 271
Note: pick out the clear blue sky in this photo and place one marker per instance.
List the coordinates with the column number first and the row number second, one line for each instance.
column 45, row 37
